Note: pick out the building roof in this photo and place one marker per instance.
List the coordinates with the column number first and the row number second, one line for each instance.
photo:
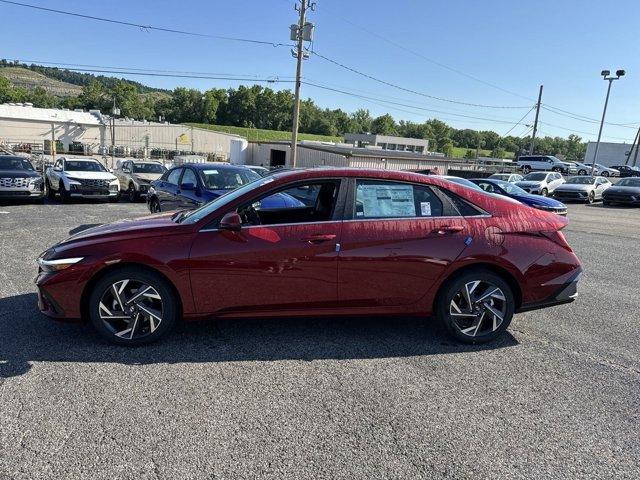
column 27, row 112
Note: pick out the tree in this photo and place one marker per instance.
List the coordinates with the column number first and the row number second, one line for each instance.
column 384, row 125
column 362, row 121
column 440, row 135
column 94, row 96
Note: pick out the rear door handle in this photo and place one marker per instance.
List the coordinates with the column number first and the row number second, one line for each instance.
column 447, row 229
column 319, row 238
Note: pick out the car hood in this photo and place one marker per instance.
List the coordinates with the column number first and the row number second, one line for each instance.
column 147, row 177
column 529, row 183
column 138, row 227
column 538, row 199
column 18, row 174
column 622, row 189
column 90, row 175
column 570, row 187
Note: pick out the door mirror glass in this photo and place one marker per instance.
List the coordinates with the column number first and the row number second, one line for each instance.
column 231, row 221
column 187, row 186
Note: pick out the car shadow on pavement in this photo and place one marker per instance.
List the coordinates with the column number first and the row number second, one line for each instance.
column 28, row 336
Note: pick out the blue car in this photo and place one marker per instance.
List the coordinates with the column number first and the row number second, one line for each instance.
column 190, row 185
column 500, row 187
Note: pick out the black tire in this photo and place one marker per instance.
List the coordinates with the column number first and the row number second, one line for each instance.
column 591, row 198
column 582, row 172
column 169, row 306
column 51, row 193
column 526, row 169
column 132, row 193
column 451, row 290
column 544, row 192
column 154, row 205
column 65, row 197
column 557, row 169
column 605, row 174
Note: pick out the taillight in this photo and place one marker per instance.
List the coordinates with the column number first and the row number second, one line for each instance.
column 558, row 238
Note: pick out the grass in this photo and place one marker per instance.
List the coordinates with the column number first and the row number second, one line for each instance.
column 262, row 135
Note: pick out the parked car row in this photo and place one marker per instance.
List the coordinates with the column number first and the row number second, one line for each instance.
column 529, row 163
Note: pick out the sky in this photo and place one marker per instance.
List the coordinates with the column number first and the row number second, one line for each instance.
column 490, row 53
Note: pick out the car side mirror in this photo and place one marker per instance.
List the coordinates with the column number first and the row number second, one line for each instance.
column 187, row 186
column 57, row 169
column 231, row 221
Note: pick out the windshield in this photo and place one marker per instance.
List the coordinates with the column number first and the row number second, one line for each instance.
column 199, row 213
column 629, row 182
column 510, row 188
column 536, row 177
column 148, row 168
column 581, row 180
column 15, row 163
column 227, row 178
column 83, row 166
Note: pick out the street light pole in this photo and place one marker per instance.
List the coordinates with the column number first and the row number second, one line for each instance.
column 606, row 75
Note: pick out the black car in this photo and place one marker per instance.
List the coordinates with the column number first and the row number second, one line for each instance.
column 625, row 191
column 19, row 180
column 627, row 171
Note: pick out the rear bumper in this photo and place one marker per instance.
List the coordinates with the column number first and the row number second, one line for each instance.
column 566, row 293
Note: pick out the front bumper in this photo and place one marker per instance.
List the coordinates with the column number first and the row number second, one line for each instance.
column 566, row 292
column 21, row 193
column 625, row 199
column 568, row 196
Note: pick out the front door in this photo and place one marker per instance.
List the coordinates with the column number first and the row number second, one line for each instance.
column 401, row 239
column 168, row 190
column 282, row 259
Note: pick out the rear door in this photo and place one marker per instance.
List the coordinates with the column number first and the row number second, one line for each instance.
column 168, row 190
column 398, row 240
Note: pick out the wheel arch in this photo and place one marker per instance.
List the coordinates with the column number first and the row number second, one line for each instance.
column 493, row 268
column 86, row 292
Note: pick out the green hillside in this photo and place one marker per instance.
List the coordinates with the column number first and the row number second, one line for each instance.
column 262, row 135
column 24, row 78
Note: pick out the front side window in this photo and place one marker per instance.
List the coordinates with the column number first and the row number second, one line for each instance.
column 380, row 199
column 301, row 203
column 227, row 178
column 189, row 177
column 147, row 168
column 174, row 176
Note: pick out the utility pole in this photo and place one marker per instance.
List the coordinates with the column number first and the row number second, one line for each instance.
column 302, row 32
column 635, row 139
column 114, row 111
column 635, row 156
column 606, row 75
column 535, row 123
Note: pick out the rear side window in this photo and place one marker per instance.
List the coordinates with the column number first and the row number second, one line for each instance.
column 380, row 199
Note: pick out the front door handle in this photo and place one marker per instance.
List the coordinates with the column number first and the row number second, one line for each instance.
column 319, row 238
column 447, row 229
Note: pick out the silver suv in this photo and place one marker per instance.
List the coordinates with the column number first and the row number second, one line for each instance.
column 135, row 176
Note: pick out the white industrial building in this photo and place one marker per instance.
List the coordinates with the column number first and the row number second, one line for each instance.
column 387, row 142
column 611, row 153
column 82, row 132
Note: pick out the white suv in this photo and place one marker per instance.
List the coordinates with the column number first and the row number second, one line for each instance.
column 541, row 183
column 81, row 177
column 135, row 176
column 547, row 163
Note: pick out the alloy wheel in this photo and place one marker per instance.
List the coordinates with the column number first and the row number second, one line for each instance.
column 478, row 308
column 131, row 309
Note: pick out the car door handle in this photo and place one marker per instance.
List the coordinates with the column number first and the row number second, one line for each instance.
column 319, row 238
column 447, row 229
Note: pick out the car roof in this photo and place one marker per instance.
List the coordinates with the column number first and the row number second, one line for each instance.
column 201, row 166
column 79, row 159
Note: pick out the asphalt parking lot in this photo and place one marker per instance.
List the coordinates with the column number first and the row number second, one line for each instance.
column 558, row 397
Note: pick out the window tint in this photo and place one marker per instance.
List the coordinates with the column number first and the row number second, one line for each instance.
column 189, row 177
column 378, row 199
column 488, row 187
column 174, row 176
column 302, row 203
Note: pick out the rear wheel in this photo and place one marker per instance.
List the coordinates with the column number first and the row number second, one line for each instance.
column 556, row 169
column 605, row 174
column 582, row 172
column 132, row 194
column 544, row 192
column 133, row 307
column 476, row 307
column 526, row 169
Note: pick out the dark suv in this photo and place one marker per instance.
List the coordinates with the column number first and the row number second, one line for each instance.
column 19, row 180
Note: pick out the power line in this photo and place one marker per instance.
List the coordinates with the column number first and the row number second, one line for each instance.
column 519, row 121
column 399, row 87
column 580, row 131
column 146, row 27
column 581, row 118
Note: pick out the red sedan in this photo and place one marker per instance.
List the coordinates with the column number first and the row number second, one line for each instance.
column 359, row 242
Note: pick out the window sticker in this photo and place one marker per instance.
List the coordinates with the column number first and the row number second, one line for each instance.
column 210, row 172
column 425, row 209
column 386, row 200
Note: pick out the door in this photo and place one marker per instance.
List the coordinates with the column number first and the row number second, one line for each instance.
column 188, row 197
column 282, row 259
column 278, row 158
column 168, row 190
column 400, row 240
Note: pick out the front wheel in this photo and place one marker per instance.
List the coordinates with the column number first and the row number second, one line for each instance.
column 65, row 196
column 582, row 172
column 132, row 194
column 476, row 307
column 51, row 193
column 605, row 174
column 591, row 198
column 133, row 307
column 526, row 169
column 154, row 205
column 544, row 192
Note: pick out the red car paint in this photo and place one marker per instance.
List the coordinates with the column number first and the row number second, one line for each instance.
column 390, row 266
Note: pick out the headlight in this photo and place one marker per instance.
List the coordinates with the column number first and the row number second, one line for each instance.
column 59, row 264
column 35, row 181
